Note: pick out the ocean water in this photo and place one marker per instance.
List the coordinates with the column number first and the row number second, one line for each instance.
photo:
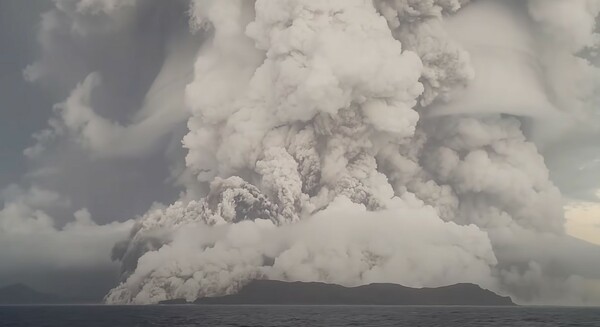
column 248, row 315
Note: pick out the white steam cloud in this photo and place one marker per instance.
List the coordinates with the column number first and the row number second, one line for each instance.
column 346, row 141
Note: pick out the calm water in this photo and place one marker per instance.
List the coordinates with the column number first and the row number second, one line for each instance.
column 295, row 316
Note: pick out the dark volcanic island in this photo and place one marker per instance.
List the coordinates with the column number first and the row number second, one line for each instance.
column 300, row 293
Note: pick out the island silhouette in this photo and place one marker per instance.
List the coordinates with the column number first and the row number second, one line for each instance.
column 270, row 292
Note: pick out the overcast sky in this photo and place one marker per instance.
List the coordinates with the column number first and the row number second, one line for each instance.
column 25, row 109
column 112, row 190
column 574, row 159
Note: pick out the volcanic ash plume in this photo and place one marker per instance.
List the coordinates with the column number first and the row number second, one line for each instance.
column 318, row 156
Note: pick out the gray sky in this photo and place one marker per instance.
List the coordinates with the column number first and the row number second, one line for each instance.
column 574, row 160
column 122, row 187
column 25, row 108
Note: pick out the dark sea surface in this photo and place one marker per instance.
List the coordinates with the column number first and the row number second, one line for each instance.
column 248, row 315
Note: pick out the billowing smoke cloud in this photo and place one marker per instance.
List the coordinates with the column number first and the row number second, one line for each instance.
column 345, row 244
column 345, row 141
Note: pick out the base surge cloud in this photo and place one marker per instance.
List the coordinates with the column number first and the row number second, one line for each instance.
column 343, row 141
